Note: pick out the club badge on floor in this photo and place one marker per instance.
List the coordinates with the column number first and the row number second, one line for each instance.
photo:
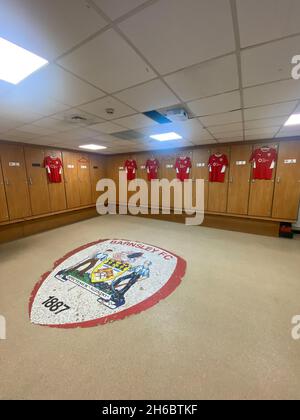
column 104, row 281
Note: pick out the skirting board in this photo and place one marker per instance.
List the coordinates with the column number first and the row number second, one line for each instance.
column 30, row 227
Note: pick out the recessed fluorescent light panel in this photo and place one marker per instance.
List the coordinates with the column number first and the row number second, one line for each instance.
column 17, row 63
column 92, row 147
column 166, row 137
column 293, row 120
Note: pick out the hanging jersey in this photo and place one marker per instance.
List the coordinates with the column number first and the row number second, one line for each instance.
column 130, row 167
column 54, row 169
column 183, row 168
column 217, row 167
column 263, row 161
column 152, row 166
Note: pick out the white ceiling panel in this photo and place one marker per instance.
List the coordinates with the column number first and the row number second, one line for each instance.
column 231, row 139
column 289, row 132
column 158, row 32
column 203, row 141
column 283, row 91
column 226, row 128
column 53, row 81
column 264, row 20
column 216, row 104
column 54, row 124
column 48, row 28
column 219, row 119
column 266, row 122
column 269, row 111
column 108, row 128
column 6, row 124
column 270, row 62
column 30, row 128
column 69, row 113
column 149, row 96
column 116, row 8
column 108, row 62
column 99, row 108
column 206, row 79
column 231, row 134
column 261, row 133
column 136, row 121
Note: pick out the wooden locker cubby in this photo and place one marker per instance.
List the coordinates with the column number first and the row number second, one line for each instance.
column 37, row 180
column 287, row 184
column 71, row 179
column 239, row 179
column 3, row 203
column 57, row 192
column 84, row 179
column 15, row 181
column 261, row 191
column 218, row 191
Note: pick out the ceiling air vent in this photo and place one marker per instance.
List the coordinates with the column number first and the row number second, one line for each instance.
column 128, row 135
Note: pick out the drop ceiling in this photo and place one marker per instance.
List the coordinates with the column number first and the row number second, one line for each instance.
column 227, row 62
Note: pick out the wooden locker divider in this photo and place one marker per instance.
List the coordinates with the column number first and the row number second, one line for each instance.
column 70, row 160
column 57, row 191
column 200, row 171
column 37, row 180
column 84, row 179
column 141, row 160
column 261, row 192
column 168, row 172
column 97, row 171
column 3, row 203
column 218, row 191
column 239, row 179
column 15, row 181
column 287, row 186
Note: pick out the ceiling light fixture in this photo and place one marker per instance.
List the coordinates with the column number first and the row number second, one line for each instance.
column 17, row 63
column 92, row 147
column 166, row 136
column 293, row 120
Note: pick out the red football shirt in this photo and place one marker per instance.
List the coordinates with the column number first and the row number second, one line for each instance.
column 54, row 169
column 217, row 167
column 152, row 166
column 183, row 166
column 130, row 167
column 264, row 161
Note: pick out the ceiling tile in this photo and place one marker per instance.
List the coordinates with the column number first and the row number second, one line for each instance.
column 264, row 20
column 75, row 112
column 219, row 119
column 269, row 111
column 266, row 122
column 229, row 135
column 99, row 108
column 206, row 79
column 54, row 124
column 261, row 133
column 6, row 124
column 270, row 62
column 108, row 128
column 216, row 104
column 48, row 28
column 226, row 128
column 289, row 132
column 56, row 83
column 204, row 141
column 286, row 90
column 231, row 139
column 116, row 8
column 30, row 128
column 149, row 96
column 136, row 121
column 108, row 62
column 169, row 34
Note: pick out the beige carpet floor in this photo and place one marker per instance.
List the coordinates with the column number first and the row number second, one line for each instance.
column 224, row 333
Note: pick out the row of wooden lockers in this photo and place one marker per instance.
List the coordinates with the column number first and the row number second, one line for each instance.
column 240, row 194
column 25, row 190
